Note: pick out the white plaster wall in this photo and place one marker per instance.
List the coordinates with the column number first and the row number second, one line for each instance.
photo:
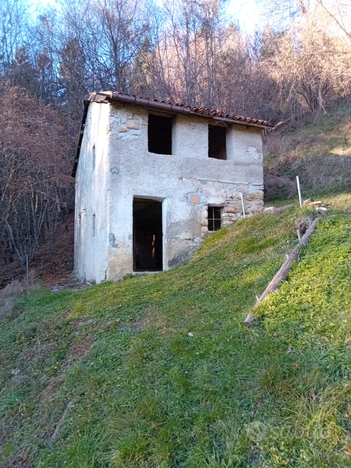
column 244, row 144
column 92, row 197
column 197, row 147
column 176, row 179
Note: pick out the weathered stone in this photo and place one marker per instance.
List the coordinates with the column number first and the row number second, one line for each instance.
column 254, row 196
column 133, row 124
column 231, row 209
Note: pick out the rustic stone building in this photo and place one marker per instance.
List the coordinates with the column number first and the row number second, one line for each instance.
column 153, row 178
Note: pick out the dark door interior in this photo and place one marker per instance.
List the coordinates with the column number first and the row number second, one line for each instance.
column 147, row 234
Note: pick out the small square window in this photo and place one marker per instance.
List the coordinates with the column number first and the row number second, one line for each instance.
column 214, row 218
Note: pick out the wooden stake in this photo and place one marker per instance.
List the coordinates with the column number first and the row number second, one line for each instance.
column 299, row 189
column 242, row 203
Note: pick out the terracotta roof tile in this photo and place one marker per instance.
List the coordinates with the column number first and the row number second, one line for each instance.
column 177, row 107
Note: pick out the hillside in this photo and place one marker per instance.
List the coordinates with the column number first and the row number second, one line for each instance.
column 158, row 370
column 319, row 153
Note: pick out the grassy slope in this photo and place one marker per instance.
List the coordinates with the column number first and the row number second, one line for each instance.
column 146, row 394
column 319, row 153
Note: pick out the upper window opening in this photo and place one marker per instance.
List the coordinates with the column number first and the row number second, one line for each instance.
column 214, row 218
column 94, row 158
column 217, row 147
column 160, row 134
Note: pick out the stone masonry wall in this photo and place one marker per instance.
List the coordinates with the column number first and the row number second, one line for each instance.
column 231, row 208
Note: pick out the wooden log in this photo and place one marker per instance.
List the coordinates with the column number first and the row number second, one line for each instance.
column 282, row 274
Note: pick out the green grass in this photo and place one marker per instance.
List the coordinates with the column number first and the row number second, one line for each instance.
column 145, row 393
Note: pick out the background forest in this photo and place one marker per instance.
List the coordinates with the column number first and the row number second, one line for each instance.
column 290, row 72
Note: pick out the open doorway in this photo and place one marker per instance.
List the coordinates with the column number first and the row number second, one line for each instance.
column 147, row 235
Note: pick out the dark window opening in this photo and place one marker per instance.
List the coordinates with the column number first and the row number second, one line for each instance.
column 147, row 235
column 160, row 134
column 217, row 145
column 214, row 218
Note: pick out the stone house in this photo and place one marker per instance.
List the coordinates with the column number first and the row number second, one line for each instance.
column 154, row 178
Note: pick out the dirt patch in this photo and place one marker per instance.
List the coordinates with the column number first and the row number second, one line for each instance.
column 66, row 313
column 141, row 325
column 109, row 322
column 79, row 349
column 23, row 463
column 97, row 324
column 51, row 390
column 80, row 323
column 45, row 349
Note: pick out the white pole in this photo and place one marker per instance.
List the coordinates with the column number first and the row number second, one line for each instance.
column 299, row 189
column 242, row 203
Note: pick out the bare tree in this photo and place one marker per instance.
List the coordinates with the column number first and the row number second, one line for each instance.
column 14, row 30
column 340, row 12
column 34, row 172
column 312, row 62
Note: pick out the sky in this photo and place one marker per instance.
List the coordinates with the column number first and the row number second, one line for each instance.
column 245, row 11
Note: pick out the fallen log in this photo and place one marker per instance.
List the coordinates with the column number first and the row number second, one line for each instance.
column 283, row 272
